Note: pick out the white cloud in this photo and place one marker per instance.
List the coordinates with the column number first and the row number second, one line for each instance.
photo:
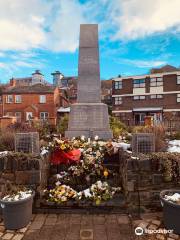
column 23, row 64
column 143, row 63
column 21, row 24
column 138, row 18
column 54, row 25
column 64, row 31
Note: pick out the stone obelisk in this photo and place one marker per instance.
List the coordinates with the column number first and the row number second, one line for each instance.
column 89, row 117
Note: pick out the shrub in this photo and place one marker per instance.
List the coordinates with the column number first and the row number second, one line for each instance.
column 118, row 128
column 63, row 125
column 6, row 140
column 44, row 128
column 168, row 164
column 21, row 127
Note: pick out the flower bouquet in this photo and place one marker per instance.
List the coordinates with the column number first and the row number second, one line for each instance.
column 98, row 192
column 60, row 194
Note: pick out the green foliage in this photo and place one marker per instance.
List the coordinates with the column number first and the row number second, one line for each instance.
column 20, row 156
column 166, row 163
column 44, row 128
column 118, row 128
column 63, row 125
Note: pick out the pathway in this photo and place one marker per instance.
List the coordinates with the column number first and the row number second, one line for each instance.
column 86, row 227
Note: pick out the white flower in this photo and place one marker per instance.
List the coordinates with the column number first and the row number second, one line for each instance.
column 87, row 193
column 81, row 149
column 175, row 197
column 44, row 151
column 58, row 183
column 96, row 138
column 99, row 184
column 82, row 137
column 58, row 176
column 20, row 195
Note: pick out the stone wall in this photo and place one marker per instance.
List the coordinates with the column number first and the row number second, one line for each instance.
column 32, row 172
column 143, row 182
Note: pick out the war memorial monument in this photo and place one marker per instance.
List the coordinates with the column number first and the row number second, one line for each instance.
column 89, row 117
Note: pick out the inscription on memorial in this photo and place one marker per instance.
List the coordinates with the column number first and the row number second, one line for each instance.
column 97, row 119
column 80, row 119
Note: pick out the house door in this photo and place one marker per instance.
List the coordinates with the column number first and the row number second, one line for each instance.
column 29, row 116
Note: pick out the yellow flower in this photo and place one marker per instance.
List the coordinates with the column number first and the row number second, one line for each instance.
column 63, row 146
column 98, row 201
column 106, row 173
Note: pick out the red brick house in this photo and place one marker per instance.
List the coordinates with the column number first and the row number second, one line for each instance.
column 37, row 102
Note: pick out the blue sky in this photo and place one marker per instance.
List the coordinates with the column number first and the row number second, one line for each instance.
column 135, row 35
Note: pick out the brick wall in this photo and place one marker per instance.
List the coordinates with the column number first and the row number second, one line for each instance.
column 30, row 103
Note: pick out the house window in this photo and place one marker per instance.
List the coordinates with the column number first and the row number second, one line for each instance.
column 44, row 115
column 139, row 97
column 178, row 79
column 42, row 98
column 118, row 85
column 178, row 97
column 156, row 96
column 18, row 115
column 139, row 83
column 18, row 99
column 9, row 99
column 118, row 100
column 156, row 82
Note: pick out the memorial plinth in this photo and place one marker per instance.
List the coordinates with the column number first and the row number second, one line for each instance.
column 89, row 117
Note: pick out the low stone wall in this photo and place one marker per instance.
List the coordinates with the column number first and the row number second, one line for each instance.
column 22, row 169
column 144, row 181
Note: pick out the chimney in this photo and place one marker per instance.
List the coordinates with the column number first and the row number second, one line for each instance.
column 12, row 82
column 57, row 76
column 37, row 77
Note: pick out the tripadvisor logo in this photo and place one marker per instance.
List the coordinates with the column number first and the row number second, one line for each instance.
column 139, row 231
